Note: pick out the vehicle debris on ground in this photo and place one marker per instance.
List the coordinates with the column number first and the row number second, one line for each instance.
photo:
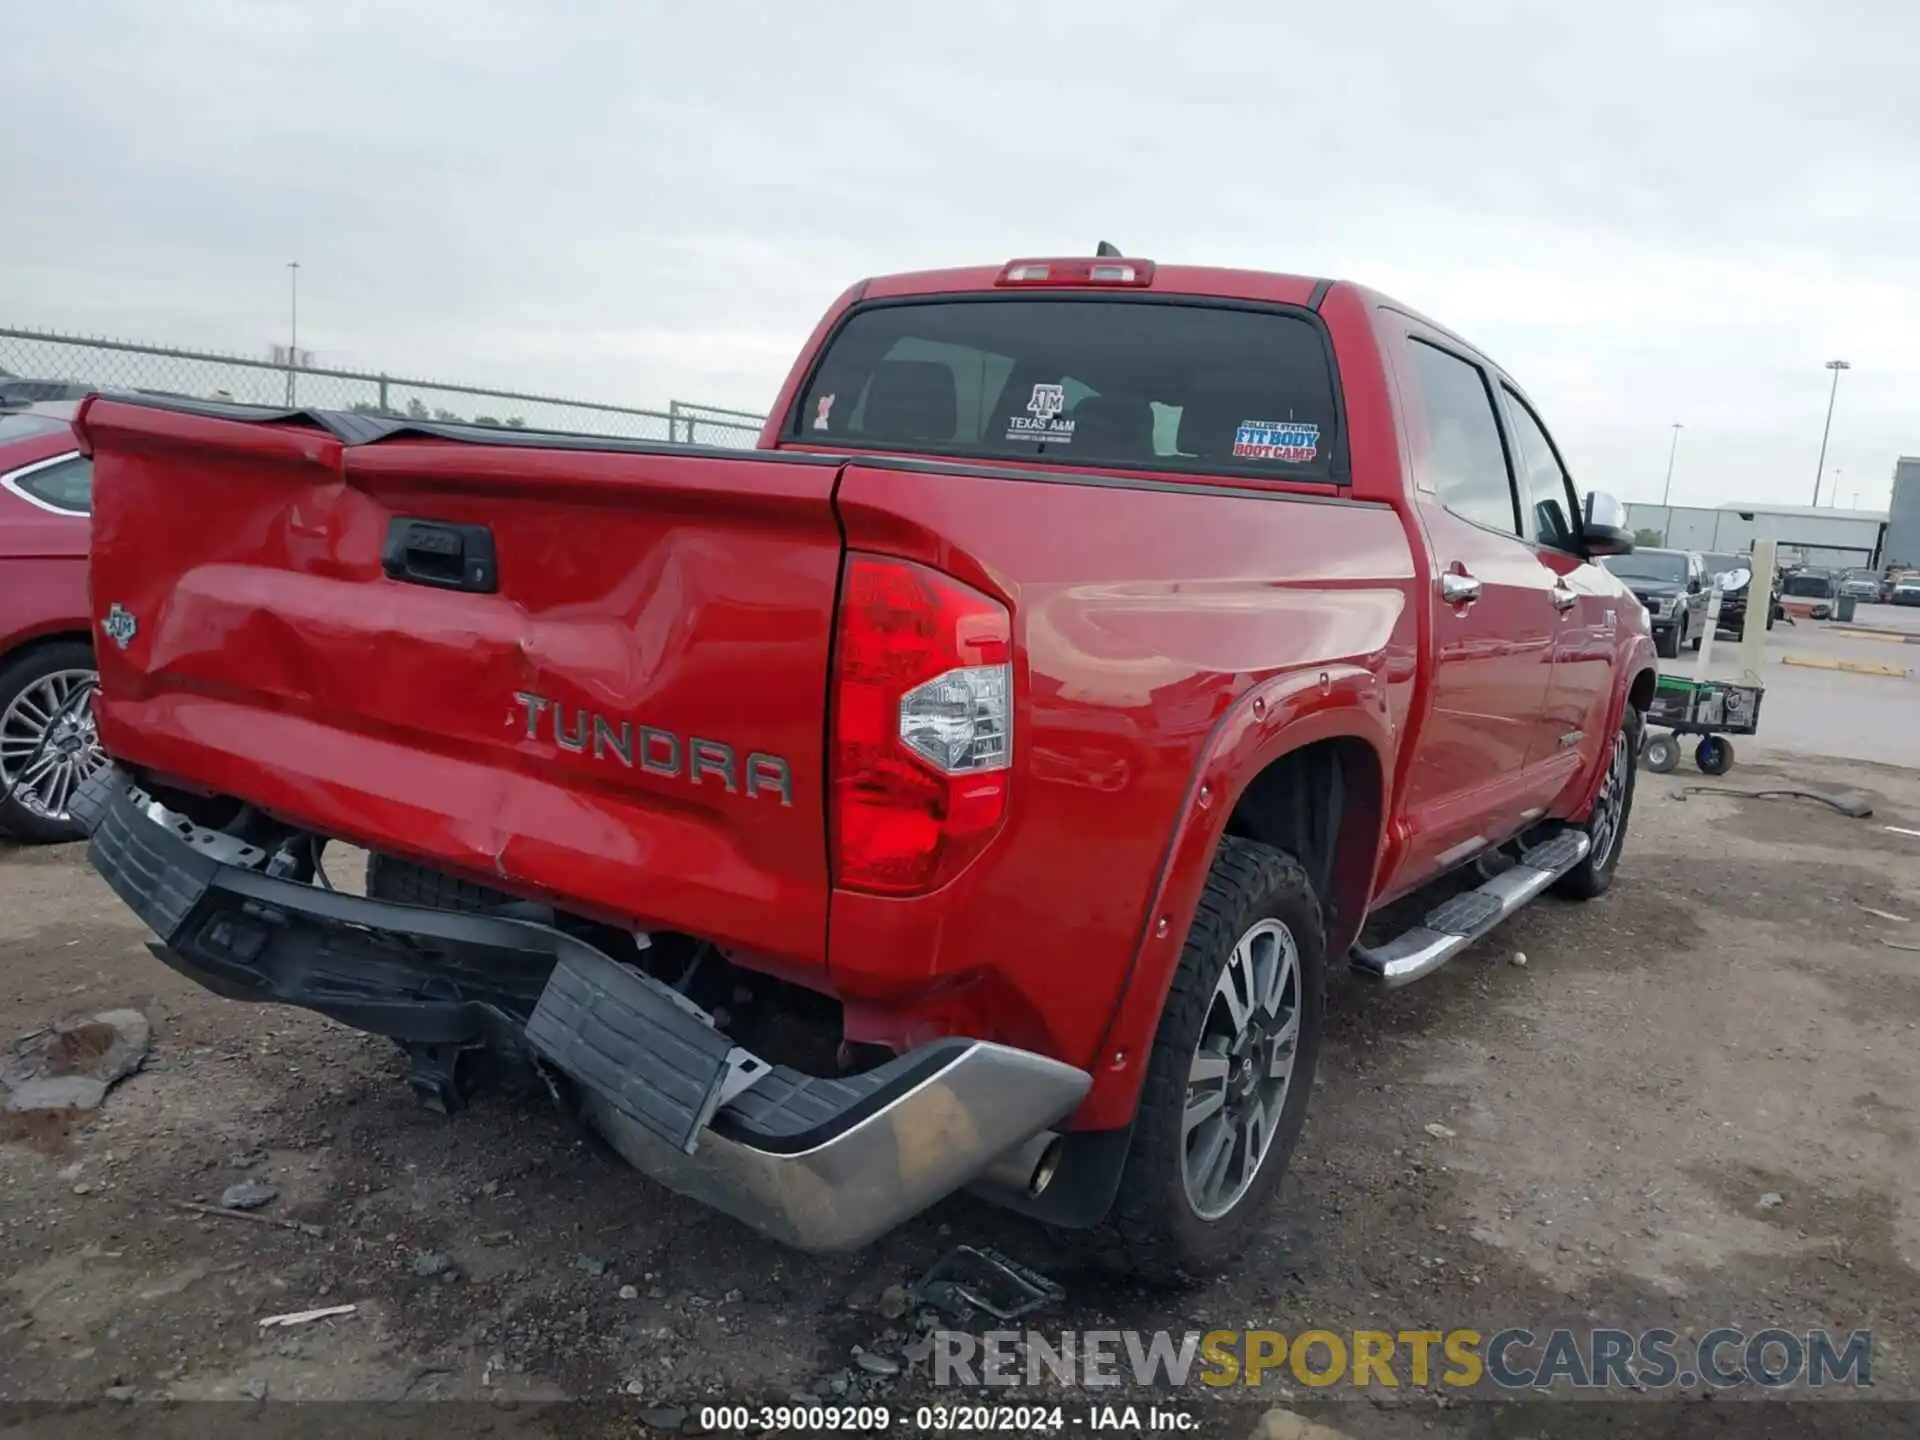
column 307, row 1317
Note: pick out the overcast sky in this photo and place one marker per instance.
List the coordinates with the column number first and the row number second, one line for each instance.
column 1648, row 212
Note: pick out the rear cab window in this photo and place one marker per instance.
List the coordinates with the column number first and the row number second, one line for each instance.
column 1169, row 385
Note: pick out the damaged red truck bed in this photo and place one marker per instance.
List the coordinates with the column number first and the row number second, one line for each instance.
column 1087, row 652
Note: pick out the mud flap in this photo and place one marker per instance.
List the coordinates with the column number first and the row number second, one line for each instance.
column 645, row 1049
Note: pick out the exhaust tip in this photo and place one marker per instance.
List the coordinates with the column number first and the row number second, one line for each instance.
column 1049, row 1164
column 1027, row 1169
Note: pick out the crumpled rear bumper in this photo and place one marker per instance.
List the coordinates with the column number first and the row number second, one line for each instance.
column 819, row 1163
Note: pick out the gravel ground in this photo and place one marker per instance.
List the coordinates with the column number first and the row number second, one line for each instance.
column 1693, row 1105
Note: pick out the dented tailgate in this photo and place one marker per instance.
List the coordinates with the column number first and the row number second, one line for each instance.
column 579, row 668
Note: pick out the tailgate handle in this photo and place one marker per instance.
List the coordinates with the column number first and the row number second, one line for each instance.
column 441, row 554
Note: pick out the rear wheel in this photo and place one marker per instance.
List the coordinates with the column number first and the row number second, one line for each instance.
column 1714, row 755
column 1662, row 753
column 1230, row 1072
column 1606, row 823
column 48, row 745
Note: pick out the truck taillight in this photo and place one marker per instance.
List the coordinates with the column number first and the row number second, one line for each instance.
column 922, row 726
column 1077, row 271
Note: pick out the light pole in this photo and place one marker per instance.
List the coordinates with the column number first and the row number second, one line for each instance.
column 1672, row 450
column 1836, row 366
column 293, row 324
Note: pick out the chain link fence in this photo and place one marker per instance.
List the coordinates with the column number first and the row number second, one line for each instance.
column 40, row 355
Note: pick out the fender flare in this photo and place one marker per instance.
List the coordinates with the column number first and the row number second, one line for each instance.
column 1282, row 714
column 1638, row 656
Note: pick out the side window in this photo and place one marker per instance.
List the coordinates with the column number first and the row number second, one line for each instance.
column 1544, row 487
column 1465, row 461
column 67, row 486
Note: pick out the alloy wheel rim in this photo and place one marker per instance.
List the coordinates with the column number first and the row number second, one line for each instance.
column 44, row 785
column 1241, row 1071
column 1605, row 829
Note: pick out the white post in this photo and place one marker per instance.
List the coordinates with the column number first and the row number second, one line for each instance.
column 1753, row 638
column 1705, row 655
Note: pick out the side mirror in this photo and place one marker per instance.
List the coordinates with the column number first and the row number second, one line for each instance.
column 1603, row 526
column 1693, row 587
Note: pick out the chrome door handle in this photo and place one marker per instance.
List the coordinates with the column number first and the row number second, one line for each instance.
column 1563, row 598
column 1458, row 589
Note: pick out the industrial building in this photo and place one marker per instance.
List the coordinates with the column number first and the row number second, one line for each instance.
column 1903, row 519
column 1807, row 535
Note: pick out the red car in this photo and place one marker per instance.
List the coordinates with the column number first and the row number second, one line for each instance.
column 47, row 745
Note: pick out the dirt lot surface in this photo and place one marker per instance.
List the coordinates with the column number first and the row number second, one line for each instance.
column 1693, row 1105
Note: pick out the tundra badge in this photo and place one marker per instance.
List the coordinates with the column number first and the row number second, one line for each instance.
column 120, row 626
column 655, row 751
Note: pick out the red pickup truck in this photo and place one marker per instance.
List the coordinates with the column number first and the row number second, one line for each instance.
column 971, row 787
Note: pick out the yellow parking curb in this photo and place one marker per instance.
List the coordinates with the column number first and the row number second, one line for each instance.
column 1857, row 667
column 1866, row 632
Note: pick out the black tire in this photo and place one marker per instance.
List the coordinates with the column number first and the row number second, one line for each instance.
column 1662, row 753
column 1714, row 754
column 1666, row 643
column 1593, row 876
column 1154, row 1232
column 407, row 882
column 16, row 676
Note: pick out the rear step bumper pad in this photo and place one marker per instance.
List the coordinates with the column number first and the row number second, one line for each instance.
column 642, row 1046
column 1453, row 926
column 818, row 1163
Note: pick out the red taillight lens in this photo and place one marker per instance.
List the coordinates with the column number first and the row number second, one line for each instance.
column 922, row 726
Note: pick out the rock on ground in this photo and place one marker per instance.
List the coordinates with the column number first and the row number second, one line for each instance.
column 72, row 1066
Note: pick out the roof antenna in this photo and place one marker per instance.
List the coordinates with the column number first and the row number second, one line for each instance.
column 1107, row 250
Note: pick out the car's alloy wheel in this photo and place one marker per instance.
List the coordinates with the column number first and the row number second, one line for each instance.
column 1606, row 822
column 1603, row 827
column 48, row 744
column 1242, row 1069
column 1229, row 1074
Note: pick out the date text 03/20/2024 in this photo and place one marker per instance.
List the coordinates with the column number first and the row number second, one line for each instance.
column 946, row 1419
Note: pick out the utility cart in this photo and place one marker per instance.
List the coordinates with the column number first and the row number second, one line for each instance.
column 1711, row 709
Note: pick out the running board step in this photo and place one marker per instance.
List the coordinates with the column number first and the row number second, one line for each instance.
column 1457, row 923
